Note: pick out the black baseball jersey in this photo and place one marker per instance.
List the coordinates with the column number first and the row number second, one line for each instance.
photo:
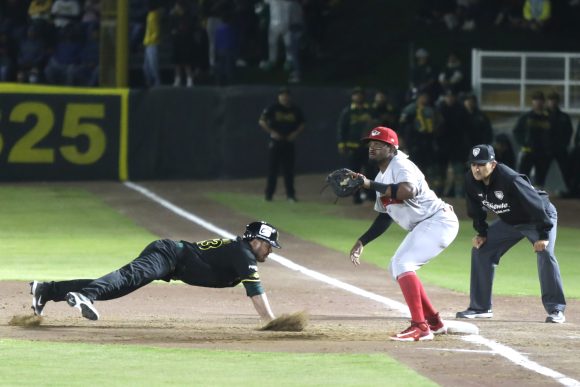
column 532, row 132
column 218, row 263
column 511, row 196
column 284, row 120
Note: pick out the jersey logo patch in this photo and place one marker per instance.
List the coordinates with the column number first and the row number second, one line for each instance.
column 498, row 194
column 253, row 267
column 387, row 201
column 475, row 151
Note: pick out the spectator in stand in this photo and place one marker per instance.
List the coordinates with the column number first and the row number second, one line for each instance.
column 64, row 12
column 6, row 57
column 15, row 15
column 509, row 14
column 537, row 13
column 87, row 72
column 423, row 76
column 225, row 52
column 477, row 125
column 278, row 28
column 137, row 18
column 419, row 122
column 91, row 13
column 452, row 139
column 452, row 76
column 246, row 26
column 297, row 27
column 533, row 134
column 561, row 133
column 354, row 123
column 184, row 46
column 62, row 65
column 151, row 42
column 40, row 10
column 384, row 112
column 31, row 57
column 214, row 12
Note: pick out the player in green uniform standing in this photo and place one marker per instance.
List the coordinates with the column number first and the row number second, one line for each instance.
column 215, row 263
column 283, row 121
column 354, row 123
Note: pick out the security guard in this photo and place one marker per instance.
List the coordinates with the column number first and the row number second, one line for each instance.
column 283, row 121
column 214, row 263
column 523, row 211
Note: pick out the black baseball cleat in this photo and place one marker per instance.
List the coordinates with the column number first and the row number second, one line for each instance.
column 38, row 298
column 81, row 302
column 472, row 313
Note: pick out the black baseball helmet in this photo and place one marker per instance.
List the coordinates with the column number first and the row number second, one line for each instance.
column 264, row 231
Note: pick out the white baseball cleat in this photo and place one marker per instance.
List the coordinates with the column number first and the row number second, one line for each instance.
column 82, row 303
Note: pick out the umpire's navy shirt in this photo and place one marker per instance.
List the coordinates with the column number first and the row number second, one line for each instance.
column 511, row 196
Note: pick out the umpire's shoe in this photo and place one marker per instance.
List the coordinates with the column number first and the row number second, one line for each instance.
column 556, row 317
column 82, row 303
column 472, row 313
column 39, row 298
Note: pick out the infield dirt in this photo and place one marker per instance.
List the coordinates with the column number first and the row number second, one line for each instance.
column 340, row 322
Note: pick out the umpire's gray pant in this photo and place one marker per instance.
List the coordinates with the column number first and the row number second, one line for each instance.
column 500, row 238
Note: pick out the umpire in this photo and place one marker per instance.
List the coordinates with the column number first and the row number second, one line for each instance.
column 523, row 211
column 214, row 263
column 283, row 121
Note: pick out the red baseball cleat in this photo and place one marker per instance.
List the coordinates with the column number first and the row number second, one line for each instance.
column 436, row 325
column 416, row 332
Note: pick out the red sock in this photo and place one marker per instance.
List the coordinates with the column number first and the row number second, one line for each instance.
column 428, row 308
column 411, row 288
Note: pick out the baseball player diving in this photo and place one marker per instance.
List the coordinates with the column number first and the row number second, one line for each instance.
column 523, row 211
column 214, row 263
column 404, row 196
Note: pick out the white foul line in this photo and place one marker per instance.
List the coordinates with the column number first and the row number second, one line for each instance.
column 505, row 351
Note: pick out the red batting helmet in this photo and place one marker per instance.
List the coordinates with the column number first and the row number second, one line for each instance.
column 381, row 133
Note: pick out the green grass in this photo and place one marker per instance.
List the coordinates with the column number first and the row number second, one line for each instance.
column 43, row 364
column 321, row 223
column 62, row 233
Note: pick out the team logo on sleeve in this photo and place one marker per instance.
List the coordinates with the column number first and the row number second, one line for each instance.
column 475, row 151
column 253, row 267
column 498, row 194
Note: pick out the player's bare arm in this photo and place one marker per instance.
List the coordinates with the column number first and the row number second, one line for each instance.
column 400, row 191
column 262, row 306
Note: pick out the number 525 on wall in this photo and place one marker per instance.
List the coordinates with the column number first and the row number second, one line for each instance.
column 60, row 136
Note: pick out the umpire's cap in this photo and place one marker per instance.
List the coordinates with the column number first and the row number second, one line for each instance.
column 264, row 231
column 481, row 154
column 384, row 134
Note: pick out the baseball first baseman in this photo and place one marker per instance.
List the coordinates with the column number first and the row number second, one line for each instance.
column 404, row 196
column 214, row 263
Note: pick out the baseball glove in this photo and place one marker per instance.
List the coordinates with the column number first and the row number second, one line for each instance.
column 343, row 183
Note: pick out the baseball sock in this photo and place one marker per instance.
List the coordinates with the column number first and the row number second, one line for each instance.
column 411, row 288
column 428, row 308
